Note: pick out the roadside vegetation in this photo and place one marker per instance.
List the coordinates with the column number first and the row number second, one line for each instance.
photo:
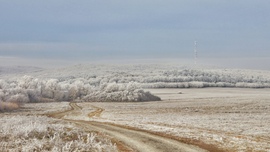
column 40, row 133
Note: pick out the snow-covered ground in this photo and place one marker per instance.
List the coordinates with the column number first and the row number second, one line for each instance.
column 225, row 112
column 233, row 119
column 18, row 70
column 25, row 130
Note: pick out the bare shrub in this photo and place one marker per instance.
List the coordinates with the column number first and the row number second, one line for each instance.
column 8, row 106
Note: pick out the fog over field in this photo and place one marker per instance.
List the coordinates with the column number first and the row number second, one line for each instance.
column 206, row 108
column 122, row 75
column 63, row 33
column 215, row 109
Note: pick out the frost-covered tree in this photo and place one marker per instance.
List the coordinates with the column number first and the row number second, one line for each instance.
column 51, row 87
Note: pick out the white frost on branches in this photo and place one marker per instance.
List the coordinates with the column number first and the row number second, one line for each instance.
column 29, row 89
column 39, row 133
column 120, row 83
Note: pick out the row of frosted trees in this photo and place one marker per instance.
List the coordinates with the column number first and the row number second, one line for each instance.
column 30, row 89
column 186, row 78
column 125, row 85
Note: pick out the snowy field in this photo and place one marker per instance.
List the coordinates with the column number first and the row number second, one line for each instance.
column 228, row 108
column 230, row 118
column 28, row 130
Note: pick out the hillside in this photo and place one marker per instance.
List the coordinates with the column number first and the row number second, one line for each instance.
column 117, row 82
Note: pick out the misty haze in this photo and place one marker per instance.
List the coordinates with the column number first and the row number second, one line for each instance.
column 128, row 76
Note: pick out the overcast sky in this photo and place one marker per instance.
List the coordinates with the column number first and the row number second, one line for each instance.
column 134, row 29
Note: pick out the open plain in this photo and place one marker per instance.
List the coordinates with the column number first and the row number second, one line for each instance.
column 215, row 119
column 205, row 119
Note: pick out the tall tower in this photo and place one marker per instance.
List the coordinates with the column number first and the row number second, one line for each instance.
column 195, row 52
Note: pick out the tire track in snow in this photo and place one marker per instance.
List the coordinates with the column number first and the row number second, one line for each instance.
column 96, row 113
column 128, row 139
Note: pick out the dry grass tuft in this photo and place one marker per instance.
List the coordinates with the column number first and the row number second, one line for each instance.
column 9, row 106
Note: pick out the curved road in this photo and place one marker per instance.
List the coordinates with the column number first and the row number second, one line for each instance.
column 128, row 139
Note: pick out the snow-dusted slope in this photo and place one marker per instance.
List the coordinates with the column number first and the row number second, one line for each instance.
column 13, row 70
column 119, row 82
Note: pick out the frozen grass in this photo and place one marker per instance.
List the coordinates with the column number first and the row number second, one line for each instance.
column 29, row 132
column 39, row 133
column 233, row 119
column 45, row 108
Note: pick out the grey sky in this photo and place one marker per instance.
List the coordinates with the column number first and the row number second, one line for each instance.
column 101, row 29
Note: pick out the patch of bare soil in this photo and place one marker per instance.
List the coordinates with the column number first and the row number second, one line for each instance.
column 96, row 113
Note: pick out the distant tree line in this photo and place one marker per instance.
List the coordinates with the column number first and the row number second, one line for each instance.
column 119, row 84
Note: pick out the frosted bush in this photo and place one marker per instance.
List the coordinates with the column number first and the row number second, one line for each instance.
column 112, row 87
column 19, row 98
column 72, row 90
column 120, row 93
column 33, row 133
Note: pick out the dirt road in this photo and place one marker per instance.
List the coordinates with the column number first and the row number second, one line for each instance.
column 128, row 139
